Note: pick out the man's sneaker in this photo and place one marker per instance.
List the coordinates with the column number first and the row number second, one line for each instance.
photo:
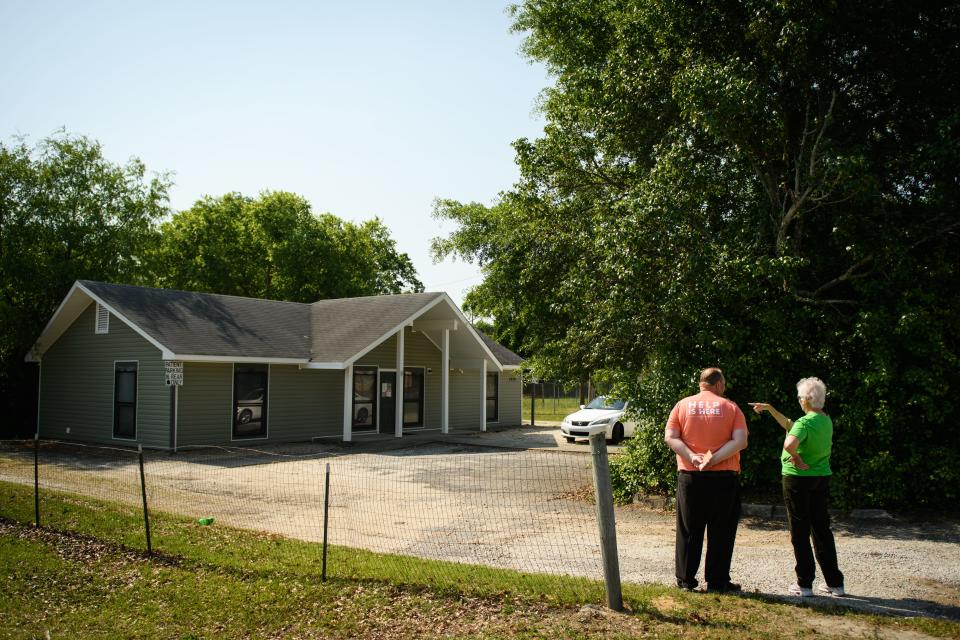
column 803, row 592
column 730, row 587
column 832, row 591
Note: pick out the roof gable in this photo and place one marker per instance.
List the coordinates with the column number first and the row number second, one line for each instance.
column 344, row 328
column 203, row 326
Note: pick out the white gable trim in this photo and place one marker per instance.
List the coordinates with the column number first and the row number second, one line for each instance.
column 167, row 354
column 406, row 323
column 409, row 322
column 34, row 354
column 52, row 332
column 474, row 333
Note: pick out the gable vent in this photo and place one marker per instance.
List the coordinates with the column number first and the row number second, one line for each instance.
column 103, row 319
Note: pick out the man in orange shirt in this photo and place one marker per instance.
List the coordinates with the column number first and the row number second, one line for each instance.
column 707, row 432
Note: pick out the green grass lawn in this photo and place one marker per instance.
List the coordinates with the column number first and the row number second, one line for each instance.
column 550, row 409
column 85, row 575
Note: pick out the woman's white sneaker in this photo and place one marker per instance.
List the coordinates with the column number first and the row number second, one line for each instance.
column 797, row 590
column 832, row 591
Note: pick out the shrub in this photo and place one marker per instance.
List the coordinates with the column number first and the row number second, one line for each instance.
column 646, row 464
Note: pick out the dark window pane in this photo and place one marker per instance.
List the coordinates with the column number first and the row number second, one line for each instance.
column 493, row 382
column 411, row 412
column 250, row 400
column 126, row 421
column 126, row 386
column 413, row 397
column 125, row 400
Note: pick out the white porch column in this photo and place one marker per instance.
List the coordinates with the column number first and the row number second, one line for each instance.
column 445, row 382
column 398, row 392
column 348, row 404
column 483, row 394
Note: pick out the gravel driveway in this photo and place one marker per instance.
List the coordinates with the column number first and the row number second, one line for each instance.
column 469, row 499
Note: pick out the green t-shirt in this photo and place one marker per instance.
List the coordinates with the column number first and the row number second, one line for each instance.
column 815, row 433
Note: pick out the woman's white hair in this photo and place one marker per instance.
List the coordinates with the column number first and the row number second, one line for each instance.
column 813, row 391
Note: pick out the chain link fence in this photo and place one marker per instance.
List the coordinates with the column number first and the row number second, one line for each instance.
column 528, row 511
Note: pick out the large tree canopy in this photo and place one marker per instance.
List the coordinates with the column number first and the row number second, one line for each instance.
column 767, row 186
column 274, row 247
column 66, row 213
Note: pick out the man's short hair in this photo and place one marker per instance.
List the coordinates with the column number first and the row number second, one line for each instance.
column 711, row 376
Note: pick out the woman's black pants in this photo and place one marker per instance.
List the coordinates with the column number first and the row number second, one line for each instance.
column 806, row 499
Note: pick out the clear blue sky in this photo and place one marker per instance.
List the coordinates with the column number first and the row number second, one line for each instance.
column 365, row 108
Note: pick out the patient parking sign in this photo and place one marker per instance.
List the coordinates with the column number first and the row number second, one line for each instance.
column 173, row 372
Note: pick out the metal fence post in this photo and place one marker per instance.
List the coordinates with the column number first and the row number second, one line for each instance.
column 326, row 511
column 36, row 479
column 143, row 493
column 606, row 520
column 533, row 404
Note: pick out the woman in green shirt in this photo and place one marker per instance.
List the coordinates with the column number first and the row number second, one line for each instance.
column 805, row 463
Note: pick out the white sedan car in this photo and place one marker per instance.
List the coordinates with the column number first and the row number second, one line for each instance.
column 601, row 415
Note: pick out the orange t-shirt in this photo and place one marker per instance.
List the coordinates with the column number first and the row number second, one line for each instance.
column 706, row 422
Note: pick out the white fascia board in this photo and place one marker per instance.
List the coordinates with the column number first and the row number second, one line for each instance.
column 424, row 325
column 510, row 367
column 166, row 353
column 33, row 355
column 406, row 323
column 473, row 332
column 51, row 330
column 323, row 365
column 187, row 357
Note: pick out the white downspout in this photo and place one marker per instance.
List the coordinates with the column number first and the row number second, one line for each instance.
column 445, row 382
column 483, row 394
column 348, row 404
column 398, row 393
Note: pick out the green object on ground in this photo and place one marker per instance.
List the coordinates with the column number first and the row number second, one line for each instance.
column 205, row 521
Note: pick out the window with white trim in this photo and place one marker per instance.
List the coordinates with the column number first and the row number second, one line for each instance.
column 250, row 400
column 493, row 397
column 103, row 319
column 125, row 400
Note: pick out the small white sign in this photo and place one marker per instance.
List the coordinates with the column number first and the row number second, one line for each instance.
column 173, row 372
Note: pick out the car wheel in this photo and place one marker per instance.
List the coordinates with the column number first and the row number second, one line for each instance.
column 617, row 434
column 245, row 416
column 569, row 439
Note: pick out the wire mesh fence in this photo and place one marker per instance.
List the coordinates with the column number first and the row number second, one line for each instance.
column 530, row 512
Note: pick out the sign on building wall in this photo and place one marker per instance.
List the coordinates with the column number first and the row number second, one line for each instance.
column 173, row 372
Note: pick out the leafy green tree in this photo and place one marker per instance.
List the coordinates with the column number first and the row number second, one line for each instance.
column 765, row 186
column 66, row 213
column 274, row 247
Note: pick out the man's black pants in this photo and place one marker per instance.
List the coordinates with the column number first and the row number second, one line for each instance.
column 706, row 500
column 806, row 499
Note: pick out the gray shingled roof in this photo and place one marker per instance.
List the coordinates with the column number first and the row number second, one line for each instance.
column 505, row 356
column 190, row 323
column 209, row 324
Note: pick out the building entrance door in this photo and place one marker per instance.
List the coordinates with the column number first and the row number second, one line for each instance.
column 388, row 401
